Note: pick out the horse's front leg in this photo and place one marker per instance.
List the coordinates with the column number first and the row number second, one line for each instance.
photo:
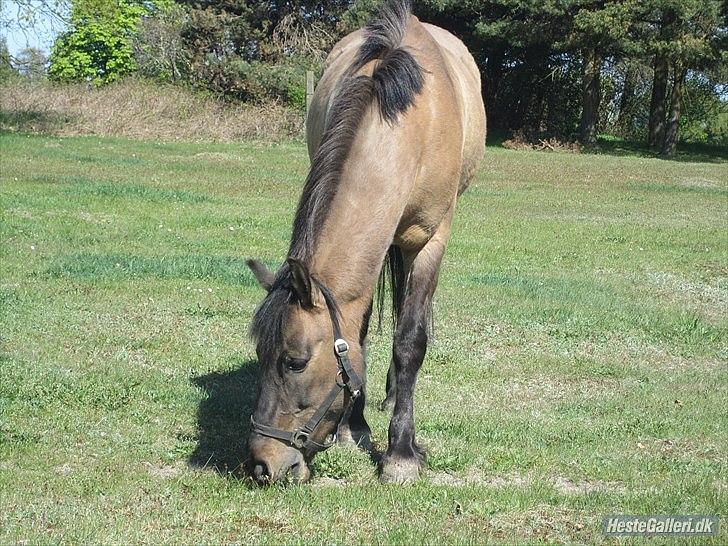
column 404, row 458
column 354, row 429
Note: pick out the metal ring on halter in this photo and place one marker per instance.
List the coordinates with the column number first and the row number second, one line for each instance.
column 299, row 438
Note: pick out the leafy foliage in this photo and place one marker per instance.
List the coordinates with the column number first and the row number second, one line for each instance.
column 7, row 71
column 532, row 55
column 159, row 50
column 98, row 46
column 705, row 116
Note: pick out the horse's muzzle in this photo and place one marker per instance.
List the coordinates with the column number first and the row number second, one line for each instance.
column 272, row 461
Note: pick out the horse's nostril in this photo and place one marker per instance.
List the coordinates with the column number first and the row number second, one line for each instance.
column 260, row 471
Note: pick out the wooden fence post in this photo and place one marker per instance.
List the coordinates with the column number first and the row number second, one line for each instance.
column 309, row 90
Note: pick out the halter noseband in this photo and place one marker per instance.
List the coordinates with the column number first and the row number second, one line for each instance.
column 346, row 378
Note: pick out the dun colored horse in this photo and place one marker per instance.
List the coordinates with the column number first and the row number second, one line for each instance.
column 395, row 133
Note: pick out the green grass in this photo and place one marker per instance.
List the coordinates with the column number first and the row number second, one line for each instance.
column 578, row 368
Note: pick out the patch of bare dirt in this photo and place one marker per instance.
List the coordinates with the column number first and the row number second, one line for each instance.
column 217, row 156
column 523, row 481
column 63, row 470
column 325, row 481
column 163, row 471
column 697, row 182
column 569, row 487
column 709, row 299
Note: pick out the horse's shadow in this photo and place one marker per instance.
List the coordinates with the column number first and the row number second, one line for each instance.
column 223, row 418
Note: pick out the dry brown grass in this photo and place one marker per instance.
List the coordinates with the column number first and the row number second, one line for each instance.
column 520, row 141
column 140, row 110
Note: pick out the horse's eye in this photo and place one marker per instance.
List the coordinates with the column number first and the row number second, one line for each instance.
column 295, row 364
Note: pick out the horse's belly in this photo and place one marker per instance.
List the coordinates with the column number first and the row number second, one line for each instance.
column 421, row 219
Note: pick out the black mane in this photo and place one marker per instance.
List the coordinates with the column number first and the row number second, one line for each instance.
column 395, row 82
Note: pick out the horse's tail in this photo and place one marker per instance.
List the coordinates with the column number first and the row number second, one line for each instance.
column 394, row 275
column 394, row 271
column 398, row 77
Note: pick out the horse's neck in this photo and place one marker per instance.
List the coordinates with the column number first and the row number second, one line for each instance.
column 363, row 217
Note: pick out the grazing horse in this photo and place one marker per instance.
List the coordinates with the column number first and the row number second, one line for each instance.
column 395, row 133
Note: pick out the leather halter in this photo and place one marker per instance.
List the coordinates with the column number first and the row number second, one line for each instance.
column 346, row 378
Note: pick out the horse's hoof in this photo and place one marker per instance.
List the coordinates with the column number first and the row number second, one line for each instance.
column 387, row 404
column 399, row 471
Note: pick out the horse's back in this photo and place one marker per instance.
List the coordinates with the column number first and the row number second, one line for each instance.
column 466, row 77
column 460, row 65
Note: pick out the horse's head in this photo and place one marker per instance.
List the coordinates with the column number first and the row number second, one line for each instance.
column 307, row 378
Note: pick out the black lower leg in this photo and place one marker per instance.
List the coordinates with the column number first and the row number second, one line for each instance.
column 404, row 457
column 409, row 352
column 354, row 428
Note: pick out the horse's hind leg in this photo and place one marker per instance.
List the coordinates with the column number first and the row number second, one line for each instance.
column 404, row 457
column 354, row 429
column 399, row 279
column 388, row 402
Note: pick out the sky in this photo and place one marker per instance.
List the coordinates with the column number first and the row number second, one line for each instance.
column 21, row 33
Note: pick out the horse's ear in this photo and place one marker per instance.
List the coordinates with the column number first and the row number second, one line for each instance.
column 308, row 293
column 265, row 276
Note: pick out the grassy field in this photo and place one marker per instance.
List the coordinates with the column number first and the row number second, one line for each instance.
column 579, row 366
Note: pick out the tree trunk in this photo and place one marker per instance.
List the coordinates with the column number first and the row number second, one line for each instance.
column 491, row 86
column 673, row 121
column 590, row 87
column 534, row 112
column 625, row 118
column 656, row 127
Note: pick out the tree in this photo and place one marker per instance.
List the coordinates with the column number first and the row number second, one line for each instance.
column 656, row 128
column 7, row 71
column 627, row 100
column 31, row 63
column 159, row 49
column 528, row 82
column 246, row 28
column 591, row 96
column 691, row 36
column 97, row 47
column 673, row 121
column 600, row 30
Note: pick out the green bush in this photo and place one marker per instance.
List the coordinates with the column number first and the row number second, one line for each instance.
column 159, row 50
column 704, row 116
column 98, row 46
column 254, row 81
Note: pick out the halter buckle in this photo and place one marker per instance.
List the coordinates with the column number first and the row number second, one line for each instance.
column 299, row 438
column 341, row 347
